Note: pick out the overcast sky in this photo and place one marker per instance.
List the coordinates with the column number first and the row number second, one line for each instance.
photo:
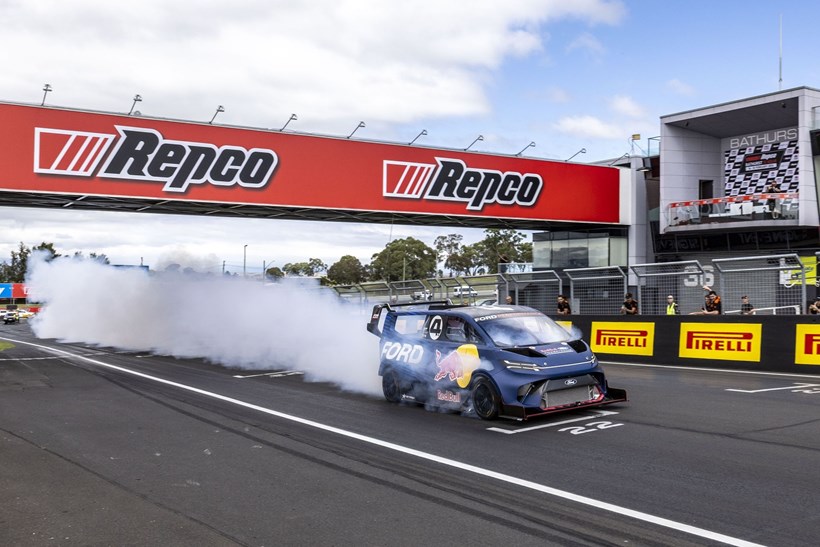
column 564, row 74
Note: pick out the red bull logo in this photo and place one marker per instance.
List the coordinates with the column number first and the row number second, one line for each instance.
column 457, row 366
column 448, row 396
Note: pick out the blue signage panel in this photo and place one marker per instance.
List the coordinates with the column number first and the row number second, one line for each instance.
column 5, row 290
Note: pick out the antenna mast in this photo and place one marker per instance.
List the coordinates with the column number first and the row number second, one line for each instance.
column 780, row 58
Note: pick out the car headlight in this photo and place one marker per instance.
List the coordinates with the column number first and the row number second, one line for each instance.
column 515, row 365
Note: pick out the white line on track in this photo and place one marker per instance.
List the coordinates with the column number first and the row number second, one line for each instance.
column 277, row 374
column 638, row 515
column 794, row 386
column 598, row 414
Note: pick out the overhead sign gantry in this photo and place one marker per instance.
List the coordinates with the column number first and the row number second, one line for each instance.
column 56, row 157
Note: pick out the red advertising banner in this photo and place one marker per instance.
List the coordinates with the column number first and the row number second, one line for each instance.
column 19, row 290
column 74, row 152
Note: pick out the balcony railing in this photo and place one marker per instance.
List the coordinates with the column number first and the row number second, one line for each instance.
column 770, row 207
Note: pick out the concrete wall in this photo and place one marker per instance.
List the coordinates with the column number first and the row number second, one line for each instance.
column 687, row 158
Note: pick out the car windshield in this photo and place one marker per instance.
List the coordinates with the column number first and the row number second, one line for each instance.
column 524, row 330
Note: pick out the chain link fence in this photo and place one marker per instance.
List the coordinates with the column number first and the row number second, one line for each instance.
column 683, row 281
column 596, row 290
column 537, row 290
column 775, row 284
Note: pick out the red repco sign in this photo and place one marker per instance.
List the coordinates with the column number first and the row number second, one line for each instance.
column 144, row 155
column 62, row 152
column 452, row 180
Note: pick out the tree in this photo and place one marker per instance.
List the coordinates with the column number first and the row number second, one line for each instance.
column 347, row 271
column 15, row 270
column 274, row 273
column 311, row 268
column 402, row 259
column 101, row 258
column 501, row 245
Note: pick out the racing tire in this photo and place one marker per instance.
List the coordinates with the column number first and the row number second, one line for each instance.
column 392, row 386
column 486, row 400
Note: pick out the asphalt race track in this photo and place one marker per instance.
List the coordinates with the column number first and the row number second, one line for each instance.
column 103, row 447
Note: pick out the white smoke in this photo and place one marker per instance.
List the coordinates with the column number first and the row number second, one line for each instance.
column 225, row 320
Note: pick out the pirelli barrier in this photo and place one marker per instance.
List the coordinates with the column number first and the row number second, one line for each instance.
column 766, row 343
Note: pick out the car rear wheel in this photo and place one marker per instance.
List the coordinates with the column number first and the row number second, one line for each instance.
column 486, row 400
column 391, row 386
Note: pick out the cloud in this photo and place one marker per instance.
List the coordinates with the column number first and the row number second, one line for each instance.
column 264, row 60
column 679, row 87
column 627, row 107
column 558, row 95
column 587, row 42
column 588, row 127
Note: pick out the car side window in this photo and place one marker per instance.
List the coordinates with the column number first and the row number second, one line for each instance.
column 455, row 330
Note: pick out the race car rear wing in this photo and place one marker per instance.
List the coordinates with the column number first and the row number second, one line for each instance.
column 374, row 326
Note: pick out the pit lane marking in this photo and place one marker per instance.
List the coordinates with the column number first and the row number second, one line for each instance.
column 427, row 456
column 277, row 374
column 598, row 413
column 796, row 387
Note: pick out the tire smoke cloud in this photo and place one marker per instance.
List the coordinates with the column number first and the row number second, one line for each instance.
column 227, row 321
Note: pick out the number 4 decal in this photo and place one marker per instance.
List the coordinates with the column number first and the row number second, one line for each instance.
column 590, row 427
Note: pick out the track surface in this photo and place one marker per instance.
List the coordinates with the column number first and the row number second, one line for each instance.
column 91, row 455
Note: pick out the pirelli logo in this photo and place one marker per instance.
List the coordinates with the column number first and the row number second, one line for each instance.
column 720, row 341
column 623, row 338
column 807, row 345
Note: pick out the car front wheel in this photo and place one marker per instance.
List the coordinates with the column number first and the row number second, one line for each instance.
column 486, row 401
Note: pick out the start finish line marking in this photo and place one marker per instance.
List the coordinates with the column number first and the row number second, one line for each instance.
column 795, row 388
column 597, row 414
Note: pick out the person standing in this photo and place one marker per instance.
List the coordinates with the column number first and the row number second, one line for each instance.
column 672, row 307
column 746, row 307
column 713, row 305
column 771, row 203
column 563, row 306
column 630, row 305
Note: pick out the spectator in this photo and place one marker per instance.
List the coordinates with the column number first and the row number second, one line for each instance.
column 712, row 306
column 563, row 305
column 771, row 203
column 509, row 299
column 672, row 307
column 745, row 307
column 814, row 307
column 630, row 305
